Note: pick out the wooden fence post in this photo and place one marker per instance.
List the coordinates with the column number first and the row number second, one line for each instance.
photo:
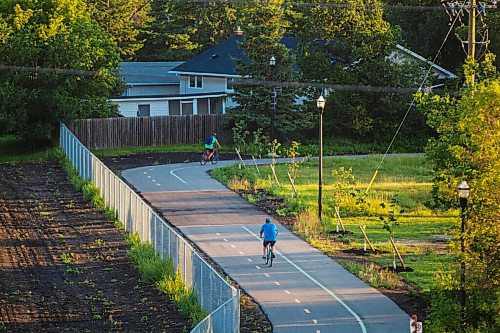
column 397, row 252
column 337, row 211
column 366, row 237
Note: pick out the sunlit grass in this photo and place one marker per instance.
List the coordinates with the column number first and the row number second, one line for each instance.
column 404, row 179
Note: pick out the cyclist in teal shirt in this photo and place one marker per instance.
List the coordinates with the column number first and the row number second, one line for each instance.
column 210, row 143
column 269, row 234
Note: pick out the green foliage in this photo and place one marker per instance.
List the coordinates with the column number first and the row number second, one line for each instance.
column 53, row 34
column 184, row 298
column 121, row 19
column 180, row 29
column 148, row 262
column 373, row 275
column 467, row 148
column 252, row 143
column 390, row 221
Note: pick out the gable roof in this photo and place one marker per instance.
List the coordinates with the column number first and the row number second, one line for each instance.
column 219, row 59
column 149, row 73
column 443, row 73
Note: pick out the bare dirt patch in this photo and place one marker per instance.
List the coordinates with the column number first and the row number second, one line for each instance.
column 64, row 265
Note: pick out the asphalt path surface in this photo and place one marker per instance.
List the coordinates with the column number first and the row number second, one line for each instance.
column 304, row 290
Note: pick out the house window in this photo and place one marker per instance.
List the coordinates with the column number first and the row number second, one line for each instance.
column 230, row 84
column 144, row 110
column 195, row 81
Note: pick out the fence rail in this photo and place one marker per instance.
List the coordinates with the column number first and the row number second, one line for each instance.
column 214, row 294
column 147, row 131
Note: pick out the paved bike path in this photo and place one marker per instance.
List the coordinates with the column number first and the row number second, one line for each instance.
column 304, row 291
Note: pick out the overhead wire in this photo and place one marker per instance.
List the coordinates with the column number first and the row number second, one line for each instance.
column 410, row 107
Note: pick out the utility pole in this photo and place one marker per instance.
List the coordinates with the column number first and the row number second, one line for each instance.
column 457, row 8
column 471, row 50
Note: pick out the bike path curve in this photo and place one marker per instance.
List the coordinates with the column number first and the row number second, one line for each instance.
column 304, row 291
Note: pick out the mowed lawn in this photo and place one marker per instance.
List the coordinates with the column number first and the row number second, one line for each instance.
column 403, row 185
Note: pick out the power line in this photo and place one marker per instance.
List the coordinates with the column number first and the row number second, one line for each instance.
column 245, row 81
column 324, row 5
column 410, row 107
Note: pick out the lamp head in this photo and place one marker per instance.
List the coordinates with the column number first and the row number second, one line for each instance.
column 463, row 190
column 320, row 103
column 272, row 61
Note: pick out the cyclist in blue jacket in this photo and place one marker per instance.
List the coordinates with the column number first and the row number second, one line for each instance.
column 269, row 234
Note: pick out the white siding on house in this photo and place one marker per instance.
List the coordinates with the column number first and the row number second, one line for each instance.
column 128, row 108
column 210, row 84
column 152, row 90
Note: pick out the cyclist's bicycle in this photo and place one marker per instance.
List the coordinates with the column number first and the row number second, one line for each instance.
column 269, row 255
column 213, row 159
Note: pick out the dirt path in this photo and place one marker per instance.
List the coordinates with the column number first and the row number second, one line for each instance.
column 64, row 266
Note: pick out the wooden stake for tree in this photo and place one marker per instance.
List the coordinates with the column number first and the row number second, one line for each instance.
column 274, row 174
column 366, row 237
column 293, row 185
column 397, row 252
column 337, row 210
column 238, row 152
column 256, row 166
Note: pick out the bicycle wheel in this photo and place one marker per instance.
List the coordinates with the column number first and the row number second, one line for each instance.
column 203, row 160
column 270, row 257
column 214, row 158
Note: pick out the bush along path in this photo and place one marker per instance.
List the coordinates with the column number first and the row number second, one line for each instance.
column 64, row 265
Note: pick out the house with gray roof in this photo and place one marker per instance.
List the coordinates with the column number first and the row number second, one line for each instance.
column 202, row 84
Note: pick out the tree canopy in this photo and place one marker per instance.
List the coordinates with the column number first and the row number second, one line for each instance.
column 467, row 148
column 57, row 65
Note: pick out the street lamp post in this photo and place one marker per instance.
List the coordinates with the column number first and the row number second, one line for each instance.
column 320, row 103
column 463, row 193
column 272, row 63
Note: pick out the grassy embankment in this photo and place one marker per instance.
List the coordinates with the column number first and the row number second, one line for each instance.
column 406, row 180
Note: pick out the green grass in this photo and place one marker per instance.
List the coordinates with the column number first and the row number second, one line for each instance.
column 404, row 179
column 14, row 149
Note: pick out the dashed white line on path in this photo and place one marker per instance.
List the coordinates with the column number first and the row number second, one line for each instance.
column 286, row 291
column 315, row 321
column 233, row 246
column 351, row 311
column 249, row 259
column 217, row 233
column 276, row 283
column 241, row 252
column 307, row 311
column 297, row 301
column 267, row 275
column 258, row 267
column 225, row 240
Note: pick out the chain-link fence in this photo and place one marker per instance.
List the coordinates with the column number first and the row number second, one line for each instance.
column 215, row 295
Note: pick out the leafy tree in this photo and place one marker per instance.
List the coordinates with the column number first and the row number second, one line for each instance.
column 350, row 45
column 122, row 19
column 263, row 35
column 57, row 66
column 181, row 29
column 467, row 147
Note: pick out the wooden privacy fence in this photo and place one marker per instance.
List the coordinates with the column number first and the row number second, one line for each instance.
column 148, row 131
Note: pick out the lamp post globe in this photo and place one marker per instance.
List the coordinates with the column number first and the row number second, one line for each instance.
column 272, row 61
column 463, row 191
